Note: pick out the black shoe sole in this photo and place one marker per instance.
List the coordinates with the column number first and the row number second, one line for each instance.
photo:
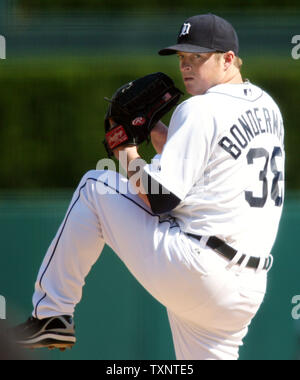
column 48, row 343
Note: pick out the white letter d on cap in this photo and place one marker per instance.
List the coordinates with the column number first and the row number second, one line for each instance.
column 185, row 29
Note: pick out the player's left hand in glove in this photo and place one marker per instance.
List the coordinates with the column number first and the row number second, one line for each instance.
column 136, row 107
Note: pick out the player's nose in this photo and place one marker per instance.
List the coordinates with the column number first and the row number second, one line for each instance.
column 185, row 65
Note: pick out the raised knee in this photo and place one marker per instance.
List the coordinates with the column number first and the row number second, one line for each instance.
column 101, row 181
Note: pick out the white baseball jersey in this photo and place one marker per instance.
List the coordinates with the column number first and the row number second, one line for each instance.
column 224, row 159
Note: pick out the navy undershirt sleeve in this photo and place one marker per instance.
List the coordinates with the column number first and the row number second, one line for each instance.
column 161, row 200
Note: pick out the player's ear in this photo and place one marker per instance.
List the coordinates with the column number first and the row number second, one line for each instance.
column 228, row 59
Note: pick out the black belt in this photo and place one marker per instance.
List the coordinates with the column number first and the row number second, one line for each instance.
column 224, row 249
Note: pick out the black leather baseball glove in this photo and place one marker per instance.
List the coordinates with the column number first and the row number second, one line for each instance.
column 136, row 107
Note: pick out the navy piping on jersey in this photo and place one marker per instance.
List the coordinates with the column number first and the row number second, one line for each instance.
column 66, row 219
column 237, row 97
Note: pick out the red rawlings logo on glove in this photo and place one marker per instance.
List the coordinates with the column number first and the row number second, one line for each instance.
column 138, row 121
column 116, row 137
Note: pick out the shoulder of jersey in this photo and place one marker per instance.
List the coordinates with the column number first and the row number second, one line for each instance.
column 218, row 95
column 196, row 101
column 245, row 91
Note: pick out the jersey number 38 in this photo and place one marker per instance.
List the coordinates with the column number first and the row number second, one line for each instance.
column 276, row 189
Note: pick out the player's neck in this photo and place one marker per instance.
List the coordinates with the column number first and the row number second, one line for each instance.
column 233, row 78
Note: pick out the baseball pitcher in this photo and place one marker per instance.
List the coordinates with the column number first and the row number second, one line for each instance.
column 197, row 225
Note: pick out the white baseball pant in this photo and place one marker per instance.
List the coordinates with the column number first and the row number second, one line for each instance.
column 209, row 304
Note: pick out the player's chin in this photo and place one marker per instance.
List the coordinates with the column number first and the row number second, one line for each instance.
column 189, row 89
column 193, row 90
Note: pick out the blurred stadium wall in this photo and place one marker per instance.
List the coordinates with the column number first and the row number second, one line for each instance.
column 62, row 59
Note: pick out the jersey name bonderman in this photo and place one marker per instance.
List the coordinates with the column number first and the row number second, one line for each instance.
column 250, row 124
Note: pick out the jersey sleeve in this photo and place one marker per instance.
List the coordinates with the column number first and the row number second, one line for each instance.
column 187, row 150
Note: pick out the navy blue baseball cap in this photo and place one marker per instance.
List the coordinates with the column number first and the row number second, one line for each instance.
column 204, row 34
